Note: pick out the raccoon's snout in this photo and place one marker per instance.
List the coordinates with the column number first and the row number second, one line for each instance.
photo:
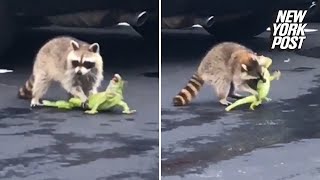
column 81, row 71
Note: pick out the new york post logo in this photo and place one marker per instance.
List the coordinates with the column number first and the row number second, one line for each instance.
column 288, row 30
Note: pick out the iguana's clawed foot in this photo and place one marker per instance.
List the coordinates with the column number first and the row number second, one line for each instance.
column 129, row 111
column 268, row 99
column 276, row 74
column 252, row 106
column 255, row 104
column 91, row 112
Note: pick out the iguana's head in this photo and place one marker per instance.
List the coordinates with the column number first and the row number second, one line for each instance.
column 264, row 61
column 116, row 84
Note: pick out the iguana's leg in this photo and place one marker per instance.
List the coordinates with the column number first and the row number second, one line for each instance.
column 267, row 99
column 272, row 78
column 252, row 106
column 275, row 75
column 239, row 102
column 255, row 104
column 57, row 104
column 94, row 110
column 125, row 108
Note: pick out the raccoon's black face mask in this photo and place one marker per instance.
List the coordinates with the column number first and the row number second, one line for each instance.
column 254, row 70
column 260, row 74
column 86, row 64
column 82, row 68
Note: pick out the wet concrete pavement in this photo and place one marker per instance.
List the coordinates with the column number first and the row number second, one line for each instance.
column 61, row 145
column 278, row 141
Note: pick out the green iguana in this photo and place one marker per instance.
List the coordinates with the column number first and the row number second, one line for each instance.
column 263, row 88
column 110, row 98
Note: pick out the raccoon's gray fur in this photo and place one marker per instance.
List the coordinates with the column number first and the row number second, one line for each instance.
column 226, row 67
column 75, row 64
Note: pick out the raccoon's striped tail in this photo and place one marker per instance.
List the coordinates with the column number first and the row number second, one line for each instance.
column 25, row 92
column 189, row 91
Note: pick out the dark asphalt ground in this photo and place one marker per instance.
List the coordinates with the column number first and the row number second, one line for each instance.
column 278, row 141
column 50, row 144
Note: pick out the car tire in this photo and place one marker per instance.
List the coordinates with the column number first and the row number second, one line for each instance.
column 243, row 28
column 313, row 14
column 7, row 27
column 149, row 30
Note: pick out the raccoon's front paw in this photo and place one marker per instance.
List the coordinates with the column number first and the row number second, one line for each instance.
column 85, row 105
column 35, row 103
column 236, row 96
column 92, row 92
column 255, row 93
column 225, row 102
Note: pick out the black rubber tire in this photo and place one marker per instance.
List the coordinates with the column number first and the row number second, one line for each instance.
column 7, row 29
column 150, row 30
column 243, row 28
column 313, row 15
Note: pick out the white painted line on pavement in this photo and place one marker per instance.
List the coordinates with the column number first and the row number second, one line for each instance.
column 287, row 60
column 2, row 71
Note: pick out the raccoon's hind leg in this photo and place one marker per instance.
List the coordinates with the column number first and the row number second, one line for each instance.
column 40, row 87
column 233, row 93
column 222, row 89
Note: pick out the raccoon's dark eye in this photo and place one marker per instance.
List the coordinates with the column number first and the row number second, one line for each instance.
column 88, row 64
column 75, row 63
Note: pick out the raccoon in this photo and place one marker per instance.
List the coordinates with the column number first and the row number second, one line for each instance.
column 227, row 67
column 75, row 64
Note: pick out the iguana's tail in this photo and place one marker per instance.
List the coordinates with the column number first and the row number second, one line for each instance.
column 49, row 103
column 76, row 102
column 57, row 104
column 239, row 102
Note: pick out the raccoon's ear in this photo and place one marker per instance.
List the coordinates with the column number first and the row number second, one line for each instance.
column 244, row 67
column 94, row 48
column 74, row 45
